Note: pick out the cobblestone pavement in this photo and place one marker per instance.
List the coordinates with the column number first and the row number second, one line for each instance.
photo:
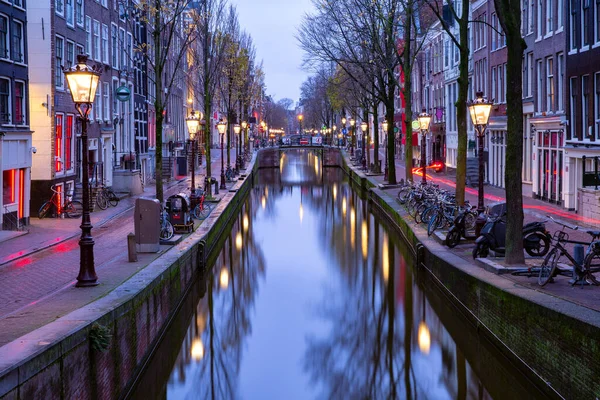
column 38, row 270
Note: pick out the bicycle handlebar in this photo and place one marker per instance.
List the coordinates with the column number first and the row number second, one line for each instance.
column 573, row 227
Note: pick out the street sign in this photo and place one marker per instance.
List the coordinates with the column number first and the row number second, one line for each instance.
column 344, row 131
column 415, row 125
column 123, row 93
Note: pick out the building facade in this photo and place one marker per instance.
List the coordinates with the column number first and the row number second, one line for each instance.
column 16, row 148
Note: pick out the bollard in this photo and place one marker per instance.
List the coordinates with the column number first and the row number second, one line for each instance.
column 578, row 256
column 131, row 248
column 216, row 182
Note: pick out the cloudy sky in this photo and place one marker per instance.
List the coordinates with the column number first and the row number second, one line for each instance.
column 272, row 25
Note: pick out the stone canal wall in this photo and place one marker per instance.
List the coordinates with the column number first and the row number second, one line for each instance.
column 545, row 338
column 96, row 352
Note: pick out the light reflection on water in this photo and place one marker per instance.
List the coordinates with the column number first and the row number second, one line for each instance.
column 294, row 309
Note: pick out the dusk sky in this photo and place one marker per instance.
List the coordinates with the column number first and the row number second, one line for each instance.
column 272, row 25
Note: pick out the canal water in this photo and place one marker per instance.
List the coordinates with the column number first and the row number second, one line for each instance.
column 314, row 296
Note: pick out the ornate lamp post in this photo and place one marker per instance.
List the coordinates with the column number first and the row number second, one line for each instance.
column 352, row 123
column 384, row 126
column 300, row 118
column 480, row 110
column 221, row 126
column 237, row 130
column 245, row 128
column 365, row 136
column 193, row 123
column 424, row 120
column 333, row 134
column 83, row 82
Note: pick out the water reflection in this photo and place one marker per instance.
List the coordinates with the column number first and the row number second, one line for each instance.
column 294, row 309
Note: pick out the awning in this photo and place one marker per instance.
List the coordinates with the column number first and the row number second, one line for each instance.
column 497, row 123
column 555, row 122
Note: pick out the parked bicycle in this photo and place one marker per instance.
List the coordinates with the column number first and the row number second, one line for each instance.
column 229, row 173
column 202, row 208
column 591, row 262
column 166, row 228
column 106, row 197
column 70, row 208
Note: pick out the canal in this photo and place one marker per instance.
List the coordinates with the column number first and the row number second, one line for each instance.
column 313, row 295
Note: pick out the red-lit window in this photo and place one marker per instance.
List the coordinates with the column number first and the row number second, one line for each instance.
column 58, row 143
column 69, row 143
column 21, row 192
column 19, row 103
column 8, row 186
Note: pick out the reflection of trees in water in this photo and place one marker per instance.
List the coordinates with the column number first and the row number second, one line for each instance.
column 223, row 317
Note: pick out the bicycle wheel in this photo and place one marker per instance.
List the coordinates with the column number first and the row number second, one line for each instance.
column 419, row 212
column 452, row 238
column 166, row 230
column 73, row 209
column 204, row 211
column 433, row 224
column 101, row 200
column 427, row 214
column 591, row 264
column 403, row 195
column 44, row 209
column 548, row 267
column 113, row 199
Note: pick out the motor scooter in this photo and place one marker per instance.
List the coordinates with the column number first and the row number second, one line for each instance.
column 459, row 228
column 536, row 239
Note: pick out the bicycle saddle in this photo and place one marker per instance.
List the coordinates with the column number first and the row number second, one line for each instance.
column 594, row 234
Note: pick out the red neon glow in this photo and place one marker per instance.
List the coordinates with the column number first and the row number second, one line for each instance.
column 21, row 192
column 12, row 185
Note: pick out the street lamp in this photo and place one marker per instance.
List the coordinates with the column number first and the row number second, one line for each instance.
column 83, row 82
column 193, row 123
column 363, row 128
column 237, row 130
column 384, row 126
column 300, row 118
column 480, row 110
column 245, row 128
column 424, row 121
column 221, row 126
column 352, row 122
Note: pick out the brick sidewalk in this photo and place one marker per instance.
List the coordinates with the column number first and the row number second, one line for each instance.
column 534, row 210
column 38, row 269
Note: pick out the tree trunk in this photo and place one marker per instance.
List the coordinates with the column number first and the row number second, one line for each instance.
column 376, row 139
column 511, row 22
column 406, row 92
column 391, row 142
column 461, row 105
column 158, row 103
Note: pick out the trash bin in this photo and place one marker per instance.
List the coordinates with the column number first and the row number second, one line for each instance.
column 146, row 221
column 179, row 212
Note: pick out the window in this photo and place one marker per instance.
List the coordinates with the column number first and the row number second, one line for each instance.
column 446, row 54
column 585, row 104
column 105, row 44
column 530, row 17
column 529, row 74
column 597, row 103
column 502, row 83
column 114, row 47
column 493, row 83
column 540, row 24
column 115, row 109
column 5, row 101
column 106, row 93
column 59, row 7
column 98, row 101
column 88, row 36
column 540, row 81
column 20, row 103
column 8, row 186
column 3, row 36
column 58, row 143
column 96, row 40
column 573, row 106
column 130, row 50
column 585, row 20
column 79, row 12
column 560, row 60
column 549, row 17
column 69, row 12
column 122, row 57
column 494, row 33
column 559, row 14
column 549, row 84
column 105, row 3
column 68, row 145
column 17, row 41
column 597, row 21
column 70, row 54
column 58, row 74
